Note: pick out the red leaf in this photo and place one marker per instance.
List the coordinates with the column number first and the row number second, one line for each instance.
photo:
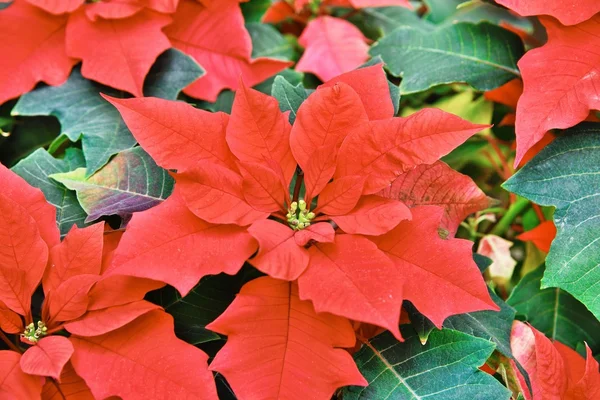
column 395, row 146
column 319, row 170
column 277, row 12
column 174, row 133
column 199, row 32
column 542, row 235
column 507, row 94
column 71, row 387
column 23, row 256
column 10, row 322
column 321, row 232
column 441, row 278
column 340, row 196
column 111, row 241
column 183, row 250
column 333, row 46
column 565, row 12
column 437, row 184
column 35, row 42
column 215, row 194
column 267, row 316
column 258, row 131
column 371, row 85
column 14, row 383
column 129, row 47
column 373, row 215
column 70, row 299
column 112, row 10
column 262, row 188
column 379, row 3
column 99, row 322
column 279, row 256
column 354, row 279
column 558, row 76
column 126, row 362
column 80, row 253
column 57, row 6
column 325, row 119
column 589, row 385
column 32, row 199
column 48, row 357
column 163, row 6
column 116, row 290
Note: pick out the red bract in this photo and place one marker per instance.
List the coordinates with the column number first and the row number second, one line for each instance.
column 231, row 199
column 79, row 297
column 566, row 12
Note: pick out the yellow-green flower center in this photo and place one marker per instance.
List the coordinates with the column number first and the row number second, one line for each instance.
column 34, row 334
column 299, row 216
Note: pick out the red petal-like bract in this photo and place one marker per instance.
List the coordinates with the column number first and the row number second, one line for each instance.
column 116, row 290
column 183, row 250
column 438, row 184
column 353, row 278
column 33, row 44
column 48, row 357
column 373, row 215
column 333, row 46
column 319, row 170
column 321, row 232
column 568, row 13
column 215, row 194
column 128, row 363
column 174, row 133
column 199, row 32
column 341, row 195
column 277, row 12
column 80, row 253
column 263, row 188
column 57, row 6
column 14, row 383
column 279, row 256
column 542, row 235
column 560, row 81
column 274, row 338
column 259, row 132
column 70, row 387
column 129, row 47
column 112, row 9
column 23, row 256
column 10, row 322
column 441, row 278
column 397, row 145
column 70, row 299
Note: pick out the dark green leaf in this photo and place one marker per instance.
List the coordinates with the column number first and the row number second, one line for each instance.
column 477, row 11
column 566, row 174
column 27, row 135
column 170, row 74
column 268, row 42
column 254, row 9
column 290, row 97
column 440, row 10
column 484, row 56
column 381, row 21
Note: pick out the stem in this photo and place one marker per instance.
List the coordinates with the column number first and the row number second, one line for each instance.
column 513, row 212
column 298, row 185
column 539, row 212
column 10, row 344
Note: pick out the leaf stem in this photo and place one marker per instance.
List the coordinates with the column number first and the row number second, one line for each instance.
column 513, row 212
column 298, row 185
column 10, row 344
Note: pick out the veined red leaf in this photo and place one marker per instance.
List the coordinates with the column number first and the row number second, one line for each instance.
column 57, row 6
column 438, row 184
column 279, row 256
column 321, row 232
column 48, row 357
column 341, row 195
column 507, row 94
column 542, row 235
column 79, row 253
column 353, row 278
column 162, row 6
column 69, row 300
column 174, row 133
column 14, row 383
column 565, row 12
column 70, row 387
column 99, row 322
column 215, row 194
column 10, row 322
column 199, row 32
column 23, row 256
column 325, row 119
column 371, row 85
column 395, row 146
column 267, row 315
column 129, row 47
column 259, row 131
column 588, row 387
column 262, row 187
column 124, row 362
column 373, row 215
column 112, row 9
column 277, row 12
column 558, row 76
column 32, row 199
column 111, row 241
column 322, row 57
column 35, row 41
column 116, row 290
column 319, row 170
column 441, row 278
column 183, row 250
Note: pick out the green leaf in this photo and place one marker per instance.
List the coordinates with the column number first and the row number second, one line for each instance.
column 478, row 11
column 446, row 368
column 440, row 10
column 82, row 112
column 555, row 312
column 36, row 169
column 255, row 9
column 290, row 97
column 381, row 21
column 268, row 42
column 170, row 74
column 484, row 56
column 566, row 174
column 129, row 183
